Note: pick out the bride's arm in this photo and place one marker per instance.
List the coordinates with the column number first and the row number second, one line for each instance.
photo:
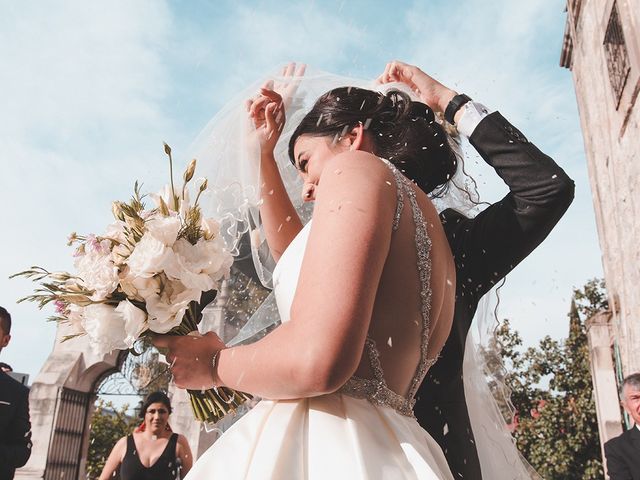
column 279, row 218
column 321, row 346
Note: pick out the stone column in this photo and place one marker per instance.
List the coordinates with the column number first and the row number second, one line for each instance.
column 605, row 390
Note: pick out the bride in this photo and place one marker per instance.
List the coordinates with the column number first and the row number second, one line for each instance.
column 365, row 292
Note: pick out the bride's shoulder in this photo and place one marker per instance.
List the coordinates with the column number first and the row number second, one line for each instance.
column 358, row 168
column 358, row 179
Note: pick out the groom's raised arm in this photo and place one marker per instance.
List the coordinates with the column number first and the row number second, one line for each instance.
column 490, row 245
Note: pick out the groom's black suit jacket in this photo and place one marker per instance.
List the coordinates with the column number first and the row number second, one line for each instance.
column 623, row 456
column 485, row 249
column 15, row 428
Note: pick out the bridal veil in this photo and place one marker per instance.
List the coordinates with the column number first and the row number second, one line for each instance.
column 230, row 160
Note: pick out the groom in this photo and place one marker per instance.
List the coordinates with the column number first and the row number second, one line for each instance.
column 486, row 248
column 15, row 428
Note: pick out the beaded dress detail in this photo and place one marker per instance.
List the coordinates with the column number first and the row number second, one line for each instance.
column 375, row 389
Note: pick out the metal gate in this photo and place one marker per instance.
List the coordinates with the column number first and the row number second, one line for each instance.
column 65, row 448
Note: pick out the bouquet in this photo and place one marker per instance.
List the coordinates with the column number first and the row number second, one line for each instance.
column 153, row 270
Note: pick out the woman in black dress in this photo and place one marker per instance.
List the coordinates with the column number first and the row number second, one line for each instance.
column 153, row 451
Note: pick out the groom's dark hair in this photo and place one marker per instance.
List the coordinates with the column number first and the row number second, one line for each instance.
column 5, row 321
column 403, row 131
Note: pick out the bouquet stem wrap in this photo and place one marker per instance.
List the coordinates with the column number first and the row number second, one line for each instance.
column 208, row 406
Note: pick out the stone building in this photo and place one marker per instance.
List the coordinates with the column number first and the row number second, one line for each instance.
column 602, row 49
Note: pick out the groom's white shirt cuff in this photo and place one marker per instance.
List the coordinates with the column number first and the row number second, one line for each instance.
column 472, row 114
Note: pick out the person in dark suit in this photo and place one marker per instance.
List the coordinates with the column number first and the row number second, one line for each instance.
column 623, row 452
column 15, row 426
column 485, row 248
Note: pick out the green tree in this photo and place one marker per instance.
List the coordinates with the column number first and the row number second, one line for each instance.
column 554, row 425
column 108, row 425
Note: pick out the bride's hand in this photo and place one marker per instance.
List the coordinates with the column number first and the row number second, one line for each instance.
column 267, row 110
column 267, row 113
column 430, row 91
column 190, row 358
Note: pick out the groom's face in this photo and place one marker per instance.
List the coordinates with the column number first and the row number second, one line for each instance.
column 631, row 402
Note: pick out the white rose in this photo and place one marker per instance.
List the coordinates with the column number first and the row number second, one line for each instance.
column 105, row 328
column 148, row 257
column 140, row 288
column 134, row 321
column 192, row 261
column 115, row 231
column 165, row 229
column 218, row 259
column 147, row 287
column 199, row 266
column 167, row 310
column 98, row 273
column 187, row 265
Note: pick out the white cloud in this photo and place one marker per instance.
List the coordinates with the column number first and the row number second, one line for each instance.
column 84, row 84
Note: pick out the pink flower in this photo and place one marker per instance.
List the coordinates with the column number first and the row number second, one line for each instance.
column 92, row 241
column 60, row 307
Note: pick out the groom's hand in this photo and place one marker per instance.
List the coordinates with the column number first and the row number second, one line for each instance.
column 190, row 358
column 430, row 91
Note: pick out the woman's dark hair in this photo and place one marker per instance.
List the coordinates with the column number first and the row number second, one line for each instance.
column 155, row 397
column 402, row 131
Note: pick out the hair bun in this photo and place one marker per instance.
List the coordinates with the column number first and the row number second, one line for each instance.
column 403, row 108
column 403, row 131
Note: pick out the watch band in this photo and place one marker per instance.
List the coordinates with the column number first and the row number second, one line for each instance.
column 454, row 105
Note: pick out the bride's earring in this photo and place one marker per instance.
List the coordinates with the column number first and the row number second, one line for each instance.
column 308, row 192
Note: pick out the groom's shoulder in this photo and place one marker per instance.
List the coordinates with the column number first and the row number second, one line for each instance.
column 9, row 383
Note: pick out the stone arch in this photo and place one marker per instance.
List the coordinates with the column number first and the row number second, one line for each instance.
column 64, row 391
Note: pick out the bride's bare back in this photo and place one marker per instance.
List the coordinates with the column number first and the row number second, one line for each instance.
column 397, row 322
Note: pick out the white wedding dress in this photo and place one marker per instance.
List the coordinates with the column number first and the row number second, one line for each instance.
column 362, row 431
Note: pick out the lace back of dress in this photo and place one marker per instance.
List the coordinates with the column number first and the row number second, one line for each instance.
column 376, row 390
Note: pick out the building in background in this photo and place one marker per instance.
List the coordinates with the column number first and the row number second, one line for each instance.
column 602, row 49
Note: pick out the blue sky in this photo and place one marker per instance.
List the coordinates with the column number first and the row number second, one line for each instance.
column 92, row 89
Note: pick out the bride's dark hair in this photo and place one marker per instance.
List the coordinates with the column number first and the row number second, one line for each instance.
column 402, row 131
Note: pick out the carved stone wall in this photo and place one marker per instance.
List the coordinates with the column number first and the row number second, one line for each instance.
column 602, row 49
